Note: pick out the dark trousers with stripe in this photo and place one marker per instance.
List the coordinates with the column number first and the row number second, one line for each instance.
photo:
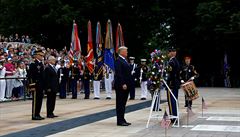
column 73, row 85
column 171, row 101
column 86, row 84
column 63, row 86
column 37, row 101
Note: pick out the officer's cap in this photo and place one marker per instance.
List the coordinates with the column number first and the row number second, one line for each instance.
column 39, row 52
column 171, row 49
column 143, row 60
column 131, row 58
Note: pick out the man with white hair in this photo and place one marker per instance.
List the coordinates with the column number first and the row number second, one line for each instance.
column 51, row 84
column 122, row 84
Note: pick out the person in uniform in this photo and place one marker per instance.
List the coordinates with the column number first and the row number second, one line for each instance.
column 173, row 81
column 122, row 84
column 188, row 73
column 108, row 79
column 51, row 85
column 143, row 69
column 36, row 81
column 86, row 81
column 63, row 78
column 98, row 75
column 133, row 66
column 74, row 74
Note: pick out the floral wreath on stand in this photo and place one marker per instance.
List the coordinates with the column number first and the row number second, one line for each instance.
column 157, row 70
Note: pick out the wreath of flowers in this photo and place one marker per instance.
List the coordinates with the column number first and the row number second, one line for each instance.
column 156, row 72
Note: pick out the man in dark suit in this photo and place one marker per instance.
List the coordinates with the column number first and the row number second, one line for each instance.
column 36, row 82
column 51, row 85
column 173, row 81
column 122, row 84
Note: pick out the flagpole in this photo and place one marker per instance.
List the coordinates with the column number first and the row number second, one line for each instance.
column 202, row 106
column 165, row 132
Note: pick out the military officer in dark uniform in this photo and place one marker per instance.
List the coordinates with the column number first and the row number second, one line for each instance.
column 51, row 85
column 173, row 81
column 133, row 66
column 36, row 82
column 188, row 73
column 74, row 75
column 86, row 81
column 122, row 85
column 63, row 78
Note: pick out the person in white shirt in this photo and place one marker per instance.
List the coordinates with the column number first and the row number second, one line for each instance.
column 2, row 81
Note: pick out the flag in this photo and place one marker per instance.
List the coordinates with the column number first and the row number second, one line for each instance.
column 119, row 37
column 90, row 55
column 109, row 51
column 204, row 106
column 75, row 49
column 165, row 122
column 99, row 49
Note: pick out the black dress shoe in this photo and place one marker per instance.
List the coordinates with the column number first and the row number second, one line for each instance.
column 123, row 124
column 51, row 116
column 143, row 98
column 37, row 118
column 128, row 123
column 96, row 98
column 74, row 97
column 108, row 98
column 131, row 99
column 86, row 97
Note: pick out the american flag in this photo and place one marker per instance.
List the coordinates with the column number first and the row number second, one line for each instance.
column 90, row 55
column 204, row 106
column 75, row 49
column 165, row 122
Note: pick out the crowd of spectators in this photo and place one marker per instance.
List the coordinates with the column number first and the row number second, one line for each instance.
column 16, row 54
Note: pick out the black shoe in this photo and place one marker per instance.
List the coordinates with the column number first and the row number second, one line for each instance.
column 96, row 98
column 86, row 97
column 123, row 124
column 51, row 116
column 128, row 123
column 157, row 110
column 108, row 98
column 143, row 98
column 131, row 98
column 74, row 97
column 37, row 118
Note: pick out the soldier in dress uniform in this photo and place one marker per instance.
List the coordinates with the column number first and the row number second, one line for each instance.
column 133, row 66
column 86, row 81
column 143, row 69
column 173, row 81
column 98, row 76
column 188, row 73
column 108, row 79
column 51, row 85
column 36, row 81
column 74, row 75
column 63, row 73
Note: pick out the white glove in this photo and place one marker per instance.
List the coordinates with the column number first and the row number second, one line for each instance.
column 192, row 78
column 182, row 81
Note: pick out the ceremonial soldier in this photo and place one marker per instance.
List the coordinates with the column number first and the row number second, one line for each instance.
column 74, row 75
column 63, row 78
column 108, row 79
column 98, row 75
column 143, row 69
column 173, row 81
column 86, row 81
column 133, row 66
column 36, row 80
column 188, row 73
column 51, row 85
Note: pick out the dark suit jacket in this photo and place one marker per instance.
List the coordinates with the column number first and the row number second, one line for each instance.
column 51, row 79
column 122, row 74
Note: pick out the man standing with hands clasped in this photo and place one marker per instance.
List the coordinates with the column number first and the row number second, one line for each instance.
column 122, row 86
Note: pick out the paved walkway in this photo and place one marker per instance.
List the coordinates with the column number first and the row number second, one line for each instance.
column 90, row 118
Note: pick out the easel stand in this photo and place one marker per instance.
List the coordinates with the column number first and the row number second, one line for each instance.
column 155, row 105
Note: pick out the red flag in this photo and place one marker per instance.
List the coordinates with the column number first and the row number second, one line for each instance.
column 75, row 49
column 204, row 106
column 90, row 55
column 119, row 37
column 165, row 122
